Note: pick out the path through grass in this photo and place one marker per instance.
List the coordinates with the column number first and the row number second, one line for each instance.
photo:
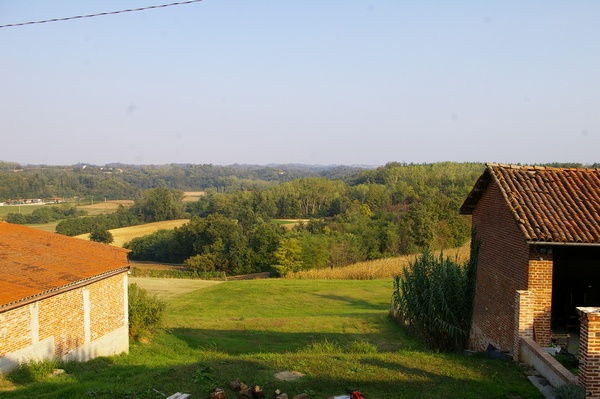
column 335, row 332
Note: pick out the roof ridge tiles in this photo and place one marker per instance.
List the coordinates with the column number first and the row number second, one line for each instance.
column 549, row 204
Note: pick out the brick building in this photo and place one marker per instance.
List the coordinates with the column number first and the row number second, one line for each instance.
column 540, row 252
column 60, row 297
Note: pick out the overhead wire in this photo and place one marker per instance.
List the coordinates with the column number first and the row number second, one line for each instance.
column 101, row 14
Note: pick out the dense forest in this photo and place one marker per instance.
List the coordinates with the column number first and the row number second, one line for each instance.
column 348, row 214
column 118, row 181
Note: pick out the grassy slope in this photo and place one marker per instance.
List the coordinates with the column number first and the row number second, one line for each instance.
column 249, row 330
column 168, row 289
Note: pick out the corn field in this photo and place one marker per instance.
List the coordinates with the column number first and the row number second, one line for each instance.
column 373, row 269
column 433, row 299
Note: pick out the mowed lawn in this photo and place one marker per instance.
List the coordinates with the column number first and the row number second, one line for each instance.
column 335, row 332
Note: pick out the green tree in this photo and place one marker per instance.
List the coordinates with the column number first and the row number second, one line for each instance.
column 288, row 256
column 161, row 246
column 16, row 218
column 102, row 235
column 201, row 263
column 160, row 204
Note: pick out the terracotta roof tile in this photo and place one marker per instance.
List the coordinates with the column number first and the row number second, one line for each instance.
column 35, row 262
column 559, row 205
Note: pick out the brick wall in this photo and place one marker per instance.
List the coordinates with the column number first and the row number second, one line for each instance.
column 540, row 283
column 106, row 306
column 15, row 330
column 61, row 318
column 589, row 351
column 524, row 319
column 503, row 270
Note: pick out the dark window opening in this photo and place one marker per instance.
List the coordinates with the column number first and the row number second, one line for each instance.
column 575, row 283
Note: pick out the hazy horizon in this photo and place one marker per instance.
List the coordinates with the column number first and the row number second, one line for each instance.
column 314, row 83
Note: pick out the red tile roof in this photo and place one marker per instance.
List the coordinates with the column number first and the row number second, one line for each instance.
column 35, row 262
column 557, row 205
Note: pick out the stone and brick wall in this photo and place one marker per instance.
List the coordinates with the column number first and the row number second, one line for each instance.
column 503, row 270
column 68, row 323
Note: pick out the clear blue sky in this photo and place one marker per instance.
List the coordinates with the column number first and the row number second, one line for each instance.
column 314, row 82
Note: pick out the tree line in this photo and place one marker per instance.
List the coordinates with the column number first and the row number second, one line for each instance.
column 392, row 210
column 154, row 205
column 120, row 181
column 346, row 215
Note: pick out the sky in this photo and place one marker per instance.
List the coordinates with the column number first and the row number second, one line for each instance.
column 338, row 82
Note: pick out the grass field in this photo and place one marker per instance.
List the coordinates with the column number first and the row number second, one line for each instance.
column 168, row 289
column 126, row 234
column 100, row 208
column 336, row 333
column 24, row 209
column 92, row 210
column 192, row 196
column 289, row 223
column 50, row 227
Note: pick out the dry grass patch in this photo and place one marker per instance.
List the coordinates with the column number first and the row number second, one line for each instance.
column 105, row 207
column 126, row 234
column 290, row 223
column 192, row 196
column 374, row 269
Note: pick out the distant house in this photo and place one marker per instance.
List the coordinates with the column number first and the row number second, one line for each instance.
column 60, row 297
column 540, row 239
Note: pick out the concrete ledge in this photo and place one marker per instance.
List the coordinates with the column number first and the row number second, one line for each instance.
column 113, row 343
column 534, row 355
column 37, row 352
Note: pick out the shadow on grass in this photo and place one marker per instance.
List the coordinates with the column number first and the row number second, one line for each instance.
column 376, row 378
column 355, row 303
column 247, row 341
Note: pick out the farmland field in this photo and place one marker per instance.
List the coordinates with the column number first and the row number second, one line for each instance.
column 126, row 234
column 191, row 196
column 105, row 207
column 335, row 334
column 50, row 227
column 24, row 209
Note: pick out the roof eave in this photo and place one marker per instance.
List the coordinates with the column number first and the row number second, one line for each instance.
column 63, row 289
column 560, row 243
column 477, row 191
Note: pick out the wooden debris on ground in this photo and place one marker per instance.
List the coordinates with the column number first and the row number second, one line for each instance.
column 179, row 395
